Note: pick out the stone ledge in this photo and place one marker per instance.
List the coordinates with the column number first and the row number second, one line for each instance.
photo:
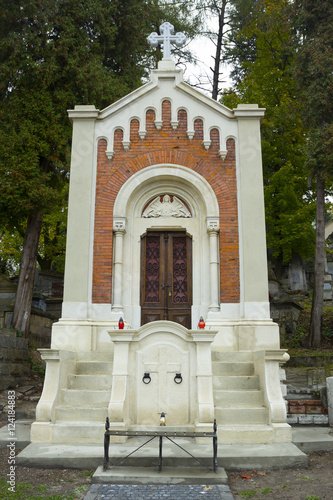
column 306, row 419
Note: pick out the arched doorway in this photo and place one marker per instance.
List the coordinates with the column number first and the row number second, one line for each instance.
column 166, row 277
column 165, row 199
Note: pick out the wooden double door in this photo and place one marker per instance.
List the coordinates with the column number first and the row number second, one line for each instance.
column 166, row 277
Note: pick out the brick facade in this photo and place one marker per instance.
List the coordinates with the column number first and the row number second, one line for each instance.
column 171, row 147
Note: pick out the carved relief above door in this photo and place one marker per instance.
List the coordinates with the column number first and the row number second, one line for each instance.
column 166, row 277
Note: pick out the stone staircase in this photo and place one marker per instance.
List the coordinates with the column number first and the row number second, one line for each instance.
column 84, row 403
column 239, row 402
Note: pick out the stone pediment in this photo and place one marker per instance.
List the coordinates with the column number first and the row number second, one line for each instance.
column 166, row 84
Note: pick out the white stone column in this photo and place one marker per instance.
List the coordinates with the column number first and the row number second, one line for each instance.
column 118, row 405
column 253, row 258
column 213, row 231
column 205, row 416
column 119, row 228
column 77, row 293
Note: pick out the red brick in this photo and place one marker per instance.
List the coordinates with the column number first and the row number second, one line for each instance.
column 166, row 146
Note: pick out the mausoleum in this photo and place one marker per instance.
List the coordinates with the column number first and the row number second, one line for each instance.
column 166, row 225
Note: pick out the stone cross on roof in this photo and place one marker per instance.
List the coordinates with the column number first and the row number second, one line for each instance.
column 166, row 38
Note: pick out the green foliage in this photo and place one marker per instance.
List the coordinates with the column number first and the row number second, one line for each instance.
column 313, row 71
column 11, row 244
column 314, row 62
column 262, row 37
column 18, row 333
column 289, row 217
column 54, row 55
column 37, row 366
column 327, row 330
column 241, row 49
column 303, row 327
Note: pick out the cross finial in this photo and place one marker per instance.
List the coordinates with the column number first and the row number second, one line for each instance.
column 166, row 38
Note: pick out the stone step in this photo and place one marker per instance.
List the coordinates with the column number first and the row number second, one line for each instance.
column 99, row 356
column 84, row 432
column 243, row 382
column 94, row 367
column 241, row 415
column 245, row 434
column 81, row 413
column 232, row 369
column 168, row 475
column 75, row 397
column 235, row 398
column 92, row 382
column 232, row 356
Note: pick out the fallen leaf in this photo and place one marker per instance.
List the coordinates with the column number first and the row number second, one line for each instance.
column 261, row 473
column 247, row 475
column 207, row 488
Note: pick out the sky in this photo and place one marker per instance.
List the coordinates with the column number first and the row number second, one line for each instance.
column 201, row 72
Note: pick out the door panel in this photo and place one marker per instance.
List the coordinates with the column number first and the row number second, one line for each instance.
column 162, row 362
column 166, row 273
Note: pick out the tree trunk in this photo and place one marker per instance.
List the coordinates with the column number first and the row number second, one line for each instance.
column 319, row 270
column 217, row 59
column 25, row 287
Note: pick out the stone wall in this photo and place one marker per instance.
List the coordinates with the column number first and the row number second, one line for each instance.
column 285, row 312
column 45, row 310
column 14, row 359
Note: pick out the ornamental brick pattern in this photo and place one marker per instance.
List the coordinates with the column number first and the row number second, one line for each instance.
column 160, row 147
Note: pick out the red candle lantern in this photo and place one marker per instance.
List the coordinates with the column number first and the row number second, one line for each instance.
column 121, row 324
column 201, row 323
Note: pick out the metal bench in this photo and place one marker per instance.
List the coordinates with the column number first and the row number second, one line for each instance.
column 159, row 434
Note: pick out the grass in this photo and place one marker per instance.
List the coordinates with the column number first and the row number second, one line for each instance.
column 252, row 493
column 266, row 491
column 26, row 491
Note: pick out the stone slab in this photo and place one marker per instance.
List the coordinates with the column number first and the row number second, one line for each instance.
column 306, row 439
column 232, row 457
column 21, row 434
column 311, row 438
column 168, row 475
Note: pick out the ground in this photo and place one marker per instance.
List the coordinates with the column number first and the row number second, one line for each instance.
column 43, row 483
column 312, row 483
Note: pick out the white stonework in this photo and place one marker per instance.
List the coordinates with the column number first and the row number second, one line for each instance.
column 88, row 352
column 166, row 39
column 166, row 207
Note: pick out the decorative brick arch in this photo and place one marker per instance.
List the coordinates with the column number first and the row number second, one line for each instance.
column 220, row 176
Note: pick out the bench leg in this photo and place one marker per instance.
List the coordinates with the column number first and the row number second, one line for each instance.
column 160, row 456
column 215, row 454
column 106, row 451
